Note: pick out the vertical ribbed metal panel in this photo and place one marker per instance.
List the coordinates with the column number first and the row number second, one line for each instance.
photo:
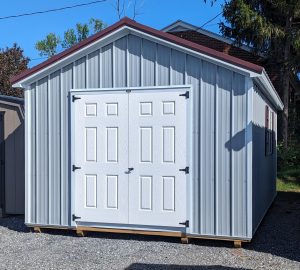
column 193, row 70
column 80, row 73
column 120, row 69
column 223, row 150
column 54, row 118
column 134, row 61
column 163, row 65
column 67, row 84
column 148, row 63
column 93, row 72
column 30, row 155
column 178, row 67
column 207, row 148
column 42, row 147
column 107, row 66
column 239, row 211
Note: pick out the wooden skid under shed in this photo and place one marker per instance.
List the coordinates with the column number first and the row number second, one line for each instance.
column 185, row 239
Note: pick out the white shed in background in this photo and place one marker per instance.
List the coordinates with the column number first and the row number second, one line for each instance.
column 136, row 129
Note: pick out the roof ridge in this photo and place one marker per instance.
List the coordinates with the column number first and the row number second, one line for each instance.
column 143, row 28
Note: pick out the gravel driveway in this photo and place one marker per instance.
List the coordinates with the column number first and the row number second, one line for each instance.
column 275, row 246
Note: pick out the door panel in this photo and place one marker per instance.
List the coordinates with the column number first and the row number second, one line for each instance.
column 101, row 150
column 157, row 150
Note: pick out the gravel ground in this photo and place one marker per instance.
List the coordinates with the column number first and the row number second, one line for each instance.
column 276, row 245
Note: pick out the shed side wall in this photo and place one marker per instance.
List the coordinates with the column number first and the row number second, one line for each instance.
column 264, row 166
column 218, row 185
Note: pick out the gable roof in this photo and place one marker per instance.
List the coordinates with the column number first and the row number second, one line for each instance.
column 23, row 80
column 133, row 24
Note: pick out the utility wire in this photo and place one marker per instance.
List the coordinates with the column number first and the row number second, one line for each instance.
column 211, row 19
column 51, row 10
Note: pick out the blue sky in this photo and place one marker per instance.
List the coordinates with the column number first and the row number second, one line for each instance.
column 155, row 13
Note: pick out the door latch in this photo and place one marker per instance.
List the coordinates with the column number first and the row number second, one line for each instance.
column 74, row 98
column 129, row 170
column 74, row 168
column 186, row 95
column 186, row 223
column 186, row 170
column 75, row 217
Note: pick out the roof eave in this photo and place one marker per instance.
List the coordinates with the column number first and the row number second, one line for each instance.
column 269, row 90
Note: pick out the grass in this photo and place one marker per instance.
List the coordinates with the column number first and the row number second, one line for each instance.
column 289, row 180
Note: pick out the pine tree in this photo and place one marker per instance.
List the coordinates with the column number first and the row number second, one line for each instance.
column 273, row 29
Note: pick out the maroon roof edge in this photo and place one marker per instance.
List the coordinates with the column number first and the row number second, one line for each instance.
column 133, row 24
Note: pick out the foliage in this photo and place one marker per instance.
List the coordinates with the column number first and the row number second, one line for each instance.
column 273, row 29
column 12, row 62
column 48, row 46
column 288, row 185
column 288, row 176
column 288, row 157
column 53, row 43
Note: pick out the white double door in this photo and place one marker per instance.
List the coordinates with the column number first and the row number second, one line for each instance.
column 130, row 147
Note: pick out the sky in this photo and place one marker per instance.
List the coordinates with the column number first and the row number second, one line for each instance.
column 26, row 31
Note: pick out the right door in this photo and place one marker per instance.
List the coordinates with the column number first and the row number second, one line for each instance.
column 157, row 152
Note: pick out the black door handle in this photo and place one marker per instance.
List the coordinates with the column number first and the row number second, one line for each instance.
column 129, row 170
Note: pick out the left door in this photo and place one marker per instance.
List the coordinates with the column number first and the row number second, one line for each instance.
column 100, row 148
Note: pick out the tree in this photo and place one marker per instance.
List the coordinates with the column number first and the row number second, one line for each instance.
column 48, row 46
column 12, row 62
column 53, row 43
column 123, row 6
column 271, row 28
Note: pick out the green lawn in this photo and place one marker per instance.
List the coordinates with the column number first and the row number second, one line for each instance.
column 289, row 180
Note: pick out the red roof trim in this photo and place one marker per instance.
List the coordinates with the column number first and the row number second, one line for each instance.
column 130, row 23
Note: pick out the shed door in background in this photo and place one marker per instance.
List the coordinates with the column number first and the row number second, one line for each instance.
column 101, row 150
column 157, row 152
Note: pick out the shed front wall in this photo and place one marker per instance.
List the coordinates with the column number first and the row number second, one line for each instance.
column 218, row 189
column 14, row 158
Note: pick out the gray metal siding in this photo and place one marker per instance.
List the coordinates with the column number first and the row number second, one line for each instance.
column 207, row 149
column 238, row 152
column 93, row 74
column 66, row 85
column 54, row 152
column 264, row 167
column 219, row 176
column 42, row 148
column 223, row 151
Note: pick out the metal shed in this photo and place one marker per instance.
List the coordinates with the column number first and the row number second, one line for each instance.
column 137, row 130
column 12, row 173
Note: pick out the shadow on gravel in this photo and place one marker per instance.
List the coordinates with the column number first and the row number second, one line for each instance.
column 138, row 266
column 279, row 232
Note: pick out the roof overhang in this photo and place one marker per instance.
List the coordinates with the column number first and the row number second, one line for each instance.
column 127, row 26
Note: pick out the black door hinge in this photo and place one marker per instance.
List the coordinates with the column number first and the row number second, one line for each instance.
column 186, row 223
column 186, row 170
column 186, row 95
column 74, row 98
column 74, row 168
column 75, row 217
